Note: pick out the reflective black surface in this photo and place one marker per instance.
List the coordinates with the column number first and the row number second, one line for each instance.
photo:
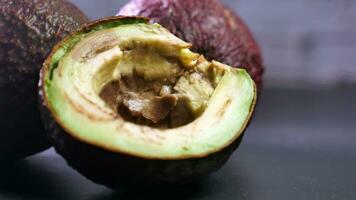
column 301, row 145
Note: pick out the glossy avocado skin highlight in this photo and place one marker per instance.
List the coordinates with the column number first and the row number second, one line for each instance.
column 28, row 30
column 106, row 165
column 213, row 29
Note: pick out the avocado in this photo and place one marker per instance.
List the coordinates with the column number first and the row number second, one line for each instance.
column 127, row 104
column 28, row 31
column 213, row 29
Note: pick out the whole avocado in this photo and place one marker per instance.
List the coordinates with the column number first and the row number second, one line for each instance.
column 28, row 30
column 213, row 29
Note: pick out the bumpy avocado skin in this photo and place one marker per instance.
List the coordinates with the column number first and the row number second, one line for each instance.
column 214, row 30
column 117, row 170
column 28, row 30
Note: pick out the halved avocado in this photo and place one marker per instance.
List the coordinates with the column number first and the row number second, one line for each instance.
column 126, row 102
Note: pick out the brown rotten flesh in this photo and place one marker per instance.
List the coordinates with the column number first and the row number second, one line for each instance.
column 162, row 103
column 126, row 102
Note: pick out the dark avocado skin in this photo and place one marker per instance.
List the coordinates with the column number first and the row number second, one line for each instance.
column 214, row 30
column 28, row 30
column 118, row 170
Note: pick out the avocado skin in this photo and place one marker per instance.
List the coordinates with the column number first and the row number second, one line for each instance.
column 214, row 30
column 121, row 171
column 28, row 30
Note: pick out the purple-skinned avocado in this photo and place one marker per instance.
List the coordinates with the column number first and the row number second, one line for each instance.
column 213, row 29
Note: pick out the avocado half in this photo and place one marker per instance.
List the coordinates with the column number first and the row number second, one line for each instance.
column 126, row 102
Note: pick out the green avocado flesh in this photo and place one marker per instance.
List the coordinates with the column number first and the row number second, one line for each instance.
column 135, row 88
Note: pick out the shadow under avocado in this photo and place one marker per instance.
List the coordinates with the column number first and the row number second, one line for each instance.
column 229, row 183
column 26, row 179
column 46, row 177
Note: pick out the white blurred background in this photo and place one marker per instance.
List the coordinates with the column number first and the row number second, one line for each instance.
column 305, row 43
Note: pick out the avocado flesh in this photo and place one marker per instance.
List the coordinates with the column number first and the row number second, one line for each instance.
column 82, row 69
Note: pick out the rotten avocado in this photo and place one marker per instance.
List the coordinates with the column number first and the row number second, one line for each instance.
column 28, row 31
column 126, row 102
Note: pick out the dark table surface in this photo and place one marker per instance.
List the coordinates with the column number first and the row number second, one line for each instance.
column 301, row 145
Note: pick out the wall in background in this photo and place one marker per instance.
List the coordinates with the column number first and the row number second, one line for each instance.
column 305, row 43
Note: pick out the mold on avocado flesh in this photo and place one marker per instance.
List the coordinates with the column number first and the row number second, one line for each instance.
column 127, row 102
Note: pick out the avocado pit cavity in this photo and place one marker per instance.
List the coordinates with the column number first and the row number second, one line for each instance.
column 155, row 89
